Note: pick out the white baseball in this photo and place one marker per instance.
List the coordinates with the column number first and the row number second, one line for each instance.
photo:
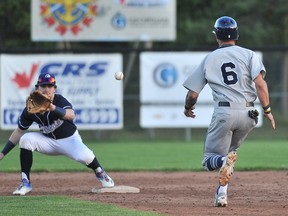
column 119, row 75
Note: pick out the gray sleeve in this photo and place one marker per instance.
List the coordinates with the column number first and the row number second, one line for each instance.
column 256, row 66
column 196, row 80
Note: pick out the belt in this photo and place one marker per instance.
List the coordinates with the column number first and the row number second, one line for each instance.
column 227, row 104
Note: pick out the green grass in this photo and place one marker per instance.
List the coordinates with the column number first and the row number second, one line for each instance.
column 61, row 206
column 158, row 156
column 263, row 155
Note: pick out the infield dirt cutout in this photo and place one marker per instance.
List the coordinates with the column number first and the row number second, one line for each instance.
column 169, row 193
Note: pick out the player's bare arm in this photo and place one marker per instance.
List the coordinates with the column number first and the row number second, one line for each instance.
column 263, row 95
column 12, row 142
column 191, row 99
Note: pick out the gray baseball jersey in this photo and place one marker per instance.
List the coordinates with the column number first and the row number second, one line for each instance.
column 230, row 72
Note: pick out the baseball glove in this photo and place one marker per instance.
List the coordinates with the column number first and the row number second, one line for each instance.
column 37, row 102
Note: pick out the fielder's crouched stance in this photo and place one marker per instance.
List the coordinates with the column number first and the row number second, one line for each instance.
column 58, row 136
column 236, row 77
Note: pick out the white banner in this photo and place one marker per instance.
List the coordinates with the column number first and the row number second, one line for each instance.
column 87, row 81
column 162, row 94
column 172, row 116
column 163, row 73
column 103, row 20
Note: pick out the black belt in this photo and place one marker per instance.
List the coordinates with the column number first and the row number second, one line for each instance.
column 227, row 104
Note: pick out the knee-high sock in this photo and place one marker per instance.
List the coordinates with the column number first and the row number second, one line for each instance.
column 26, row 160
column 214, row 162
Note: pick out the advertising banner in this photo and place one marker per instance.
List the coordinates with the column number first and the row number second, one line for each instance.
column 163, row 73
column 103, row 20
column 87, row 81
column 162, row 95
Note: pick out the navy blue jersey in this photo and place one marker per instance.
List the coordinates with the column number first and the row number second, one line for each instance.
column 49, row 123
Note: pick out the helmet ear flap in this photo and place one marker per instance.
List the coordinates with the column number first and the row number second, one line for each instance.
column 227, row 34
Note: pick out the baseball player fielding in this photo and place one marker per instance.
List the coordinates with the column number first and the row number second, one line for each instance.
column 58, row 134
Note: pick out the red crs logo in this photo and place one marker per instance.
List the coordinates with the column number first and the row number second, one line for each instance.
column 24, row 78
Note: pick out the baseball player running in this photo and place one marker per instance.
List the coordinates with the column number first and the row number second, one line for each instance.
column 236, row 77
column 58, row 136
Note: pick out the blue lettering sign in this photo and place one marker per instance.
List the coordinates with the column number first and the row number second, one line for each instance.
column 75, row 68
column 97, row 116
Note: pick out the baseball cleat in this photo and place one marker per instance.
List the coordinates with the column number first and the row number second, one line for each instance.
column 226, row 171
column 106, row 181
column 220, row 200
column 24, row 188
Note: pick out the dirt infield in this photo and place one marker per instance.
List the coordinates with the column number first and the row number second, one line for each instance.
column 176, row 193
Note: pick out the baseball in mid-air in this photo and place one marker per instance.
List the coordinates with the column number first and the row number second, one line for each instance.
column 119, row 75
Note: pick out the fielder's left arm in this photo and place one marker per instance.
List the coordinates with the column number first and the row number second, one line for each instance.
column 12, row 142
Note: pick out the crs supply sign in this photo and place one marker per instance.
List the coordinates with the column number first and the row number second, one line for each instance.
column 87, row 81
